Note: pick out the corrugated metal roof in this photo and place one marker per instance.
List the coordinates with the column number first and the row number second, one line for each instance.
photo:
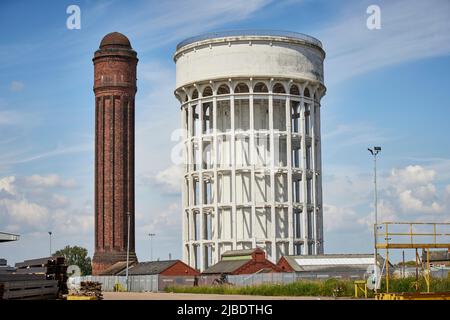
column 334, row 261
column 150, row 267
column 441, row 255
column 4, row 236
column 243, row 252
column 331, row 262
column 115, row 269
column 225, row 266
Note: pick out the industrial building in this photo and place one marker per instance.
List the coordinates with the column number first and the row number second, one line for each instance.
column 236, row 262
column 250, row 107
column 439, row 258
column 163, row 268
column 332, row 265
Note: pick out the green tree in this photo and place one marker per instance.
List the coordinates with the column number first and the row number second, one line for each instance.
column 78, row 256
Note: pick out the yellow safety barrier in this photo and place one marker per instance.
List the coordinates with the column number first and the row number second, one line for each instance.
column 413, row 296
column 360, row 285
column 81, row 298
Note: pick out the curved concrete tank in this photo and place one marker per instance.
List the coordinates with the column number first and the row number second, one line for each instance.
column 250, row 107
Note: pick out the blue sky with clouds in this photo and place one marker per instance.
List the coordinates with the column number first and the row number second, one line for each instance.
column 388, row 87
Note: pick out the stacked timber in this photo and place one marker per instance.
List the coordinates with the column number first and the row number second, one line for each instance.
column 91, row 289
column 57, row 270
column 27, row 286
column 44, row 278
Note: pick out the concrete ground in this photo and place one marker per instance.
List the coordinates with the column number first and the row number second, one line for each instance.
column 196, row 296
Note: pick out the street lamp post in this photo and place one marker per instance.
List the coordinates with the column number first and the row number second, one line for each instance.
column 128, row 248
column 374, row 153
column 50, row 238
column 151, row 235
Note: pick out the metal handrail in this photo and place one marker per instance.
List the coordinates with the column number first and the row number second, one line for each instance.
column 429, row 223
column 236, row 33
column 413, row 236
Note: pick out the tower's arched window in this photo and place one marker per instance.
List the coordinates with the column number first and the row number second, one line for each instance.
column 260, row 87
column 207, row 92
column 306, row 93
column 195, row 94
column 294, row 90
column 241, row 88
column 278, row 88
column 223, row 89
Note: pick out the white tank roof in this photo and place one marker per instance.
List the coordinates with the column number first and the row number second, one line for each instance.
column 249, row 54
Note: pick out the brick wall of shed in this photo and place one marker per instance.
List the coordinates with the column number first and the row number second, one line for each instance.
column 180, row 269
column 284, row 265
column 254, row 266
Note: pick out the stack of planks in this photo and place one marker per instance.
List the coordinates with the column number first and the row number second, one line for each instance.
column 27, row 286
column 88, row 289
column 52, row 267
column 43, row 278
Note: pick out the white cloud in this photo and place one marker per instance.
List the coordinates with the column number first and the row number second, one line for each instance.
column 167, row 222
column 411, row 203
column 7, row 185
column 338, row 218
column 48, row 181
column 16, row 86
column 410, row 193
column 414, row 188
column 412, row 175
column 24, row 212
column 58, row 201
column 27, row 207
column 168, row 181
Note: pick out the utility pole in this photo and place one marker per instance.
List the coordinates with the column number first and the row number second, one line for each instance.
column 50, row 236
column 128, row 248
column 151, row 235
column 374, row 153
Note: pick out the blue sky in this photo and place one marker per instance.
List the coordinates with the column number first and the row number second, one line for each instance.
column 388, row 87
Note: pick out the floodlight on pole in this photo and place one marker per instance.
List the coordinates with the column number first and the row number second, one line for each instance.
column 374, row 152
column 50, row 238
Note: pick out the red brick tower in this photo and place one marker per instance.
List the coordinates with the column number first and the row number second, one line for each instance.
column 114, row 87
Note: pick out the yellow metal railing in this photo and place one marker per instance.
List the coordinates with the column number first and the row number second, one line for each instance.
column 413, row 236
column 360, row 286
column 440, row 240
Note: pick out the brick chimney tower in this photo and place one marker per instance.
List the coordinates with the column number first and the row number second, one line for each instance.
column 114, row 87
